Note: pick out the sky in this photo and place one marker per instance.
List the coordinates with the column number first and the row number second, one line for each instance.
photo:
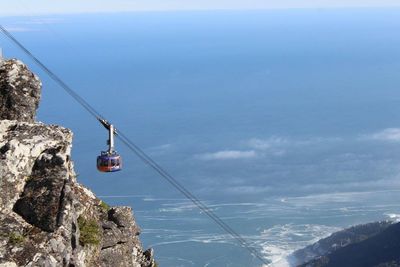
column 46, row 7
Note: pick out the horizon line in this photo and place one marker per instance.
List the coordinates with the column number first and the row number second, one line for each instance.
column 182, row 10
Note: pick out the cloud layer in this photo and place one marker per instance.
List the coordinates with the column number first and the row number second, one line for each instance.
column 228, row 154
column 273, row 146
column 389, row 134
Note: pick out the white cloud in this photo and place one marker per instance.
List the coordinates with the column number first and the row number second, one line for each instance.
column 42, row 21
column 19, row 29
column 255, row 147
column 228, row 154
column 389, row 134
column 266, row 144
column 248, row 189
column 339, row 197
column 161, row 147
column 276, row 142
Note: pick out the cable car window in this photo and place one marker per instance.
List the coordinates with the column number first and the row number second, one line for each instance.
column 104, row 162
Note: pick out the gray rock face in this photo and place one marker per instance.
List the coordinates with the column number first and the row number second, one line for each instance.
column 44, row 191
column 46, row 217
column 120, row 230
column 21, row 146
column 19, row 92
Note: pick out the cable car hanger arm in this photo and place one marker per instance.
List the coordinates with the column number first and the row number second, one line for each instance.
column 106, row 124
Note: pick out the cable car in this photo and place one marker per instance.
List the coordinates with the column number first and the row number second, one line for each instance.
column 109, row 161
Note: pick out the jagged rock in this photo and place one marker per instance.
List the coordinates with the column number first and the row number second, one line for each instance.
column 120, row 233
column 122, row 217
column 44, row 191
column 149, row 254
column 19, row 91
column 118, row 255
column 8, row 264
column 21, row 144
column 46, row 217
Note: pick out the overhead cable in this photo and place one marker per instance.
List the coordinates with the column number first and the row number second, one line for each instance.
column 139, row 152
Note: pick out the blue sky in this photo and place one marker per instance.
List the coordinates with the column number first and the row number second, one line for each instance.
column 38, row 7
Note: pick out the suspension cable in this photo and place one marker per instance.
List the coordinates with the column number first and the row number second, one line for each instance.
column 53, row 76
column 139, row 152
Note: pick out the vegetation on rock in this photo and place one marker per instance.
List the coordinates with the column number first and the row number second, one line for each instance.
column 90, row 231
column 104, row 206
column 16, row 238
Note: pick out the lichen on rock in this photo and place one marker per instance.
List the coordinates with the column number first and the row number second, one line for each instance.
column 46, row 217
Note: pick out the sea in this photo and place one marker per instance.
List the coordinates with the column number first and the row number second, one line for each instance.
column 285, row 123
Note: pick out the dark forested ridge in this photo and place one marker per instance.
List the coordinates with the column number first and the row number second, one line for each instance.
column 375, row 244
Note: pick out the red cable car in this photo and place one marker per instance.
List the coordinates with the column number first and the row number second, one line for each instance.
column 109, row 161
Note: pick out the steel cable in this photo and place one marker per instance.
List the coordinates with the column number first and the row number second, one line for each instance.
column 139, row 152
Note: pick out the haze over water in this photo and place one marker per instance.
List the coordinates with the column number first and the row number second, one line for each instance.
column 286, row 123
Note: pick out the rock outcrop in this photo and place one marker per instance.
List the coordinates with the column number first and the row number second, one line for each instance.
column 46, row 217
column 19, row 91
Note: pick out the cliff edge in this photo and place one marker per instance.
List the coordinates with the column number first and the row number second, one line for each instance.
column 46, row 217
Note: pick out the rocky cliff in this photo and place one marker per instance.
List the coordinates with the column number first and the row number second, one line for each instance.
column 46, row 217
